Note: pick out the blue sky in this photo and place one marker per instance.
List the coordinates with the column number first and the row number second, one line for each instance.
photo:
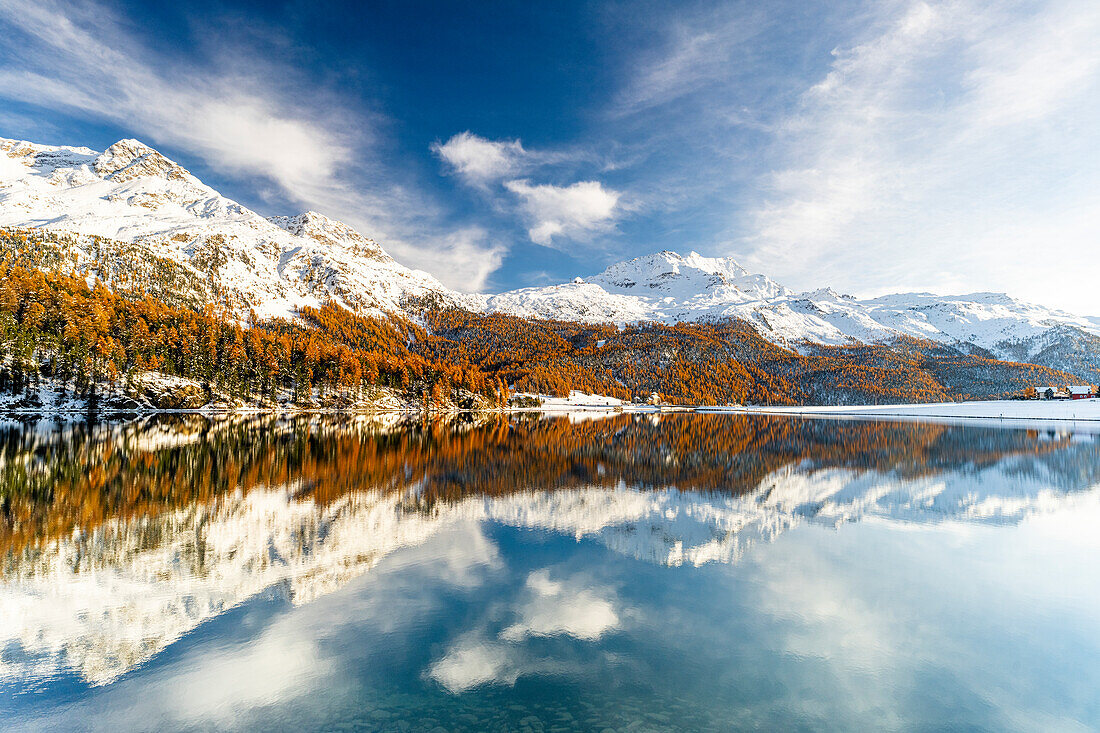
column 870, row 146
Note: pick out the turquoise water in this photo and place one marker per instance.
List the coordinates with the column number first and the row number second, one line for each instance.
column 685, row 573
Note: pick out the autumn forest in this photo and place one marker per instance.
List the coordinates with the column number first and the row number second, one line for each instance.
column 61, row 324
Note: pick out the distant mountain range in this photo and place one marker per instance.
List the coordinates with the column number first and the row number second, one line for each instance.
column 151, row 208
column 669, row 287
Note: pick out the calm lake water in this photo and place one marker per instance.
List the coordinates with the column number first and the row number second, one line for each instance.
column 630, row 572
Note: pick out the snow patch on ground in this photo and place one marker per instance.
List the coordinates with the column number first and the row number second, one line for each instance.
column 573, row 401
column 156, row 392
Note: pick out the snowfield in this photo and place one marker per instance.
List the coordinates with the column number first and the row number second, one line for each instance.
column 1013, row 413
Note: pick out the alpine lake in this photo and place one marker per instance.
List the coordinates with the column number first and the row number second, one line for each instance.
column 519, row 572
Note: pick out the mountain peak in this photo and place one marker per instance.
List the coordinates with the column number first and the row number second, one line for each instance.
column 663, row 268
column 128, row 159
column 329, row 232
column 825, row 293
column 129, row 143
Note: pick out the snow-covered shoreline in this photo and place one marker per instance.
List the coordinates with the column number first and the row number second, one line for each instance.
column 1006, row 412
column 153, row 390
column 1056, row 410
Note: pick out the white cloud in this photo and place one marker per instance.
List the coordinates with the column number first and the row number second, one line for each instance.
column 566, row 607
column 238, row 123
column 948, row 123
column 474, row 661
column 479, row 161
column 242, row 114
column 461, row 259
column 575, row 211
column 555, row 608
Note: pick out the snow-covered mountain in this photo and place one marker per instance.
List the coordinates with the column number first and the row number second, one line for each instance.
column 659, row 287
column 669, row 287
column 137, row 199
column 133, row 194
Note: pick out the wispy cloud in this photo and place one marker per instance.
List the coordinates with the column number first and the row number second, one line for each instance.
column 1026, row 71
column 472, row 255
column 840, row 139
column 256, row 119
column 945, row 122
column 576, row 211
column 694, row 55
column 700, row 87
column 237, row 122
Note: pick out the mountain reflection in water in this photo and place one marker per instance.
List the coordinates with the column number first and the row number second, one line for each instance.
column 118, row 539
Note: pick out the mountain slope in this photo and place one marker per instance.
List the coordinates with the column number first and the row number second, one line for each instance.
column 138, row 219
column 668, row 287
column 133, row 194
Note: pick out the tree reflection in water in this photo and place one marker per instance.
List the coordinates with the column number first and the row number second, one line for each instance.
column 61, row 478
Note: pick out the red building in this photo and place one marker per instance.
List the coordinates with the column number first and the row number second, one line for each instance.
column 1080, row 392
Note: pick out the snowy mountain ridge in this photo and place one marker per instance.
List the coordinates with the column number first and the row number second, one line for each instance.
column 668, row 287
column 132, row 194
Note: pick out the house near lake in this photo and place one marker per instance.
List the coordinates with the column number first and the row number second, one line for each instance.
column 1064, row 392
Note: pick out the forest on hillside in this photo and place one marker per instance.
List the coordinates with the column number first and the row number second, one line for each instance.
column 65, row 326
